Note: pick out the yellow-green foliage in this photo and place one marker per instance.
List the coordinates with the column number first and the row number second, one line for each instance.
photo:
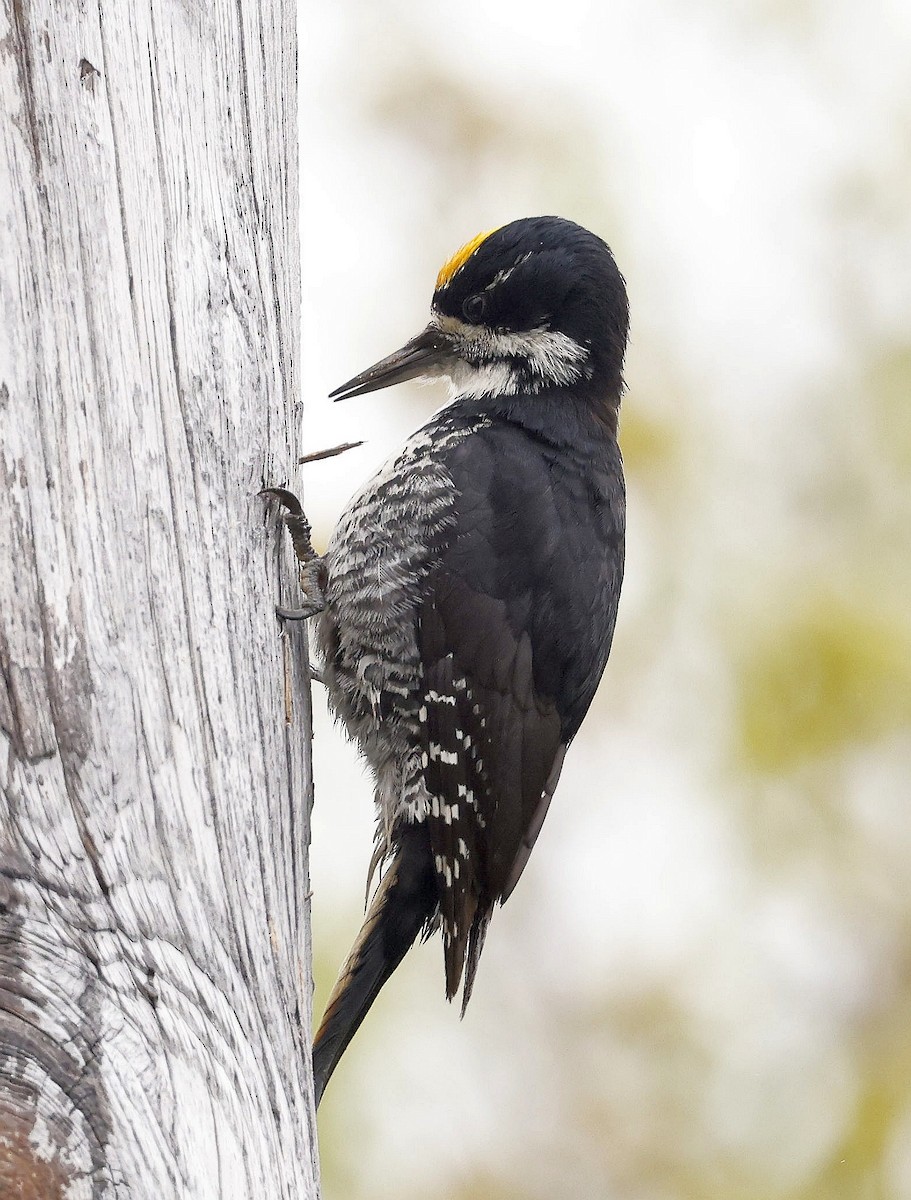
column 890, row 385
column 831, row 674
column 647, row 443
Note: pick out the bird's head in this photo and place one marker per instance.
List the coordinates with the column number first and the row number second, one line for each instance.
column 537, row 305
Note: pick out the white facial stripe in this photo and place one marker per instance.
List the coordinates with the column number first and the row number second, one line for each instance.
column 552, row 356
column 549, row 357
column 489, row 379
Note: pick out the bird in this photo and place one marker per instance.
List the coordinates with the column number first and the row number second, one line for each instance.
column 465, row 606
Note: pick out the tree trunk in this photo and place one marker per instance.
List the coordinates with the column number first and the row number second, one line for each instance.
column 154, row 719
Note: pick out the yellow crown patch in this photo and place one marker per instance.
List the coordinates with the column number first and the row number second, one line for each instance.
column 461, row 257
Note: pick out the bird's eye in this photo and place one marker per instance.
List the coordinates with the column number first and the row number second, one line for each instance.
column 474, row 307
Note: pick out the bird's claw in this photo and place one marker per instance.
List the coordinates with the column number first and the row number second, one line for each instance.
column 297, row 614
column 312, row 573
column 296, row 521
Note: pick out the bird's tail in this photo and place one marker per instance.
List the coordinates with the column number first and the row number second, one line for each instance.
column 403, row 904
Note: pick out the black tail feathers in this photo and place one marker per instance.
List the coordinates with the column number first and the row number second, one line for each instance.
column 403, row 904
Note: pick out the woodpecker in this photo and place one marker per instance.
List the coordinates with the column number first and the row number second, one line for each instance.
column 465, row 606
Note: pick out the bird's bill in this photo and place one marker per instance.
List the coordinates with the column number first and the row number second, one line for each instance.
column 426, row 354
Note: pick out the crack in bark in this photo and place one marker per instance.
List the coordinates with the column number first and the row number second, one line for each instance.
column 21, row 55
column 118, row 175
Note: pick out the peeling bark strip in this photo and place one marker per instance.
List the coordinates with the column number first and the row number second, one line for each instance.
column 154, row 770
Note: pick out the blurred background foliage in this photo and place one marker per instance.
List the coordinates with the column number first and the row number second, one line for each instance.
column 703, row 986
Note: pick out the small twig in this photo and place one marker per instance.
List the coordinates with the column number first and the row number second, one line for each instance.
column 330, row 453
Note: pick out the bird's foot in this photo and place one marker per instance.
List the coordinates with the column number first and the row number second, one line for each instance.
column 296, row 521
column 312, row 571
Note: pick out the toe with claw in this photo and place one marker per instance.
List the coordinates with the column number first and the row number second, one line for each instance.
column 312, row 571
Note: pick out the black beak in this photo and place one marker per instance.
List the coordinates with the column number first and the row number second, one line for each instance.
column 426, row 354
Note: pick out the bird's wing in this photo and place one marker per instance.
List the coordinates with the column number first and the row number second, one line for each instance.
column 515, row 626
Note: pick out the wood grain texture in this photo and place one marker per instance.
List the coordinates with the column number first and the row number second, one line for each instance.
column 154, row 720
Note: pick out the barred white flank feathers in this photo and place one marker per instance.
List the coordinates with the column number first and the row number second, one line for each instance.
column 381, row 548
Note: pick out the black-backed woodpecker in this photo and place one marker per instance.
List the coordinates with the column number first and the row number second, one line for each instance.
column 466, row 603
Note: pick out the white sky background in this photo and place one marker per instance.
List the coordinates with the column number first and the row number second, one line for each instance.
column 726, row 145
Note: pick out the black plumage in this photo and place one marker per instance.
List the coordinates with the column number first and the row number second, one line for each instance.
column 471, row 591
column 520, row 607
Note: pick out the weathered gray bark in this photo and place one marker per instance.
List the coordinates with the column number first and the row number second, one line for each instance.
column 154, row 944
